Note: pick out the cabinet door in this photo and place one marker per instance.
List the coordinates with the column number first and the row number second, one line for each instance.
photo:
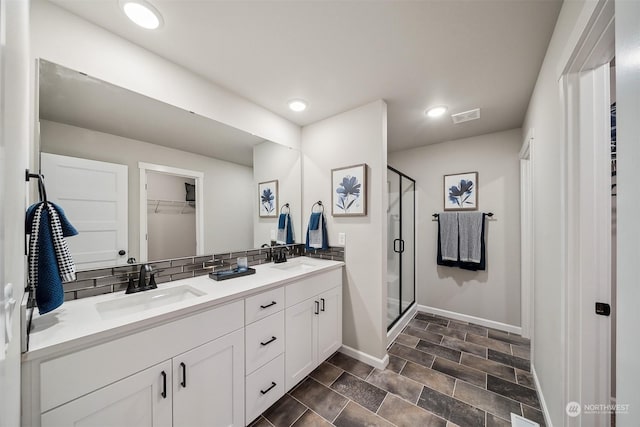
column 330, row 323
column 208, row 384
column 141, row 400
column 301, row 340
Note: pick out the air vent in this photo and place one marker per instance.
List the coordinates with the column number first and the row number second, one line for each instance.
column 466, row 116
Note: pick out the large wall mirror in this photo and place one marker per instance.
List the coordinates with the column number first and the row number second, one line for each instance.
column 144, row 181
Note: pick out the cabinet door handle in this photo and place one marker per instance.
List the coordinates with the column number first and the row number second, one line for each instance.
column 269, row 389
column 164, row 385
column 269, row 342
column 322, row 299
column 268, row 305
column 317, row 308
column 183, row 383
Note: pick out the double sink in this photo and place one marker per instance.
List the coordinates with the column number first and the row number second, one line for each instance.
column 130, row 304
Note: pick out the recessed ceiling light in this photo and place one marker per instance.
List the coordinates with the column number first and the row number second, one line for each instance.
column 297, row 105
column 142, row 13
column 436, row 111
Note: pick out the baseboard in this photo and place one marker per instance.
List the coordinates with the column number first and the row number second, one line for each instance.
column 393, row 333
column 471, row 319
column 365, row 358
column 543, row 404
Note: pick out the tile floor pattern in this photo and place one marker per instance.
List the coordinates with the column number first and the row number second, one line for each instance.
column 442, row 372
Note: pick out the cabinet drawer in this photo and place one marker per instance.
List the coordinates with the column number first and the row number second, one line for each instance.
column 264, row 341
column 264, row 304
column 260, row 389
column 73, row 375
column 312, row 286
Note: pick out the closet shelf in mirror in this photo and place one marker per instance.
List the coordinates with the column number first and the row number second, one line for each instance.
column 171, row 206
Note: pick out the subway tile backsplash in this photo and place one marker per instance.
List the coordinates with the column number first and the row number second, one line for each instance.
column 114, row 279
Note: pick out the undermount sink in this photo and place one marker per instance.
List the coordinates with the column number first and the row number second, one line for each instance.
column 129, row 304
column 295, row 265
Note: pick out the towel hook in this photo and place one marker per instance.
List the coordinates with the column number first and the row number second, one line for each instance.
column 286, row 205
column 41, row 190
column 318, row 203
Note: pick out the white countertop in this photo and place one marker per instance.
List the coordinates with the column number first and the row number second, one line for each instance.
column 78, row 323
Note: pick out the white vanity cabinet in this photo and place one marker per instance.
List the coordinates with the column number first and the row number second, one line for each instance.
column 142, row 399
column 313, row 322
column 264, row 356
column 139, row 379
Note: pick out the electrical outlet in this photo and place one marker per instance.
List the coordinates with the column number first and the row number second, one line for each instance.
column 342, row 239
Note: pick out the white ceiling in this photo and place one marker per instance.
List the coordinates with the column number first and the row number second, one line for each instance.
column 67, row 96
column 338, row 55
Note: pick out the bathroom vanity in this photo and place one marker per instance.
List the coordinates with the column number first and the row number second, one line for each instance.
column 192, row 352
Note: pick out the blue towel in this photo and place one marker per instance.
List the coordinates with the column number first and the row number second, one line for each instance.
column 314, row 221
column 285, row 229
column 50, row 263
column 317, row 232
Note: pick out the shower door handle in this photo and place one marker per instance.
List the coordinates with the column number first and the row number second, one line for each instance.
column 396, row 246
column 401, row 246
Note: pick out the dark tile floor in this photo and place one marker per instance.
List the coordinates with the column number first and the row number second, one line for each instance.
column 442, row 372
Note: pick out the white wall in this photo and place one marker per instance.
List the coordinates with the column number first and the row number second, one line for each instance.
column 61, row 37
column 354, row 137
column 545, row 116
column 228, row 187
column 171, row 227
column 493, row 294
column 15, row 116
column 628, row 205
column 274, row 161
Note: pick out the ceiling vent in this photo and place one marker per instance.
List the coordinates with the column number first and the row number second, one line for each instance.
column 466, row 116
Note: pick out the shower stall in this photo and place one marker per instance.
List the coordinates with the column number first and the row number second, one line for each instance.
column 401, row 275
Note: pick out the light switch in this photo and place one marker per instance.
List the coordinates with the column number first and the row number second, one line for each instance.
column 342, row 239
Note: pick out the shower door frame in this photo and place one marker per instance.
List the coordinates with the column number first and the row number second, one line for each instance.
column 400, row 281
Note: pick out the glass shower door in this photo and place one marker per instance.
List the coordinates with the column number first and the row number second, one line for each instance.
column 407, row 222
column 401, row 245
column 393, row 253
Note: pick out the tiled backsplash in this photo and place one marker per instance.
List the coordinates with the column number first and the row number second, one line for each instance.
column 89, row 283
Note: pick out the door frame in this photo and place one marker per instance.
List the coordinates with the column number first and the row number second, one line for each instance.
column 527, row 246
column 586, row 212
column 199, row 208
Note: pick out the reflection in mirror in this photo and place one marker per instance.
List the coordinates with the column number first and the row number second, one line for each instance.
column 94, row 140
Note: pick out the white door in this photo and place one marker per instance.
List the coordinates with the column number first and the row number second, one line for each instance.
column 93, row 195
column 301, row 354
column 330, row 323
column 141, row 400
column 208, row 384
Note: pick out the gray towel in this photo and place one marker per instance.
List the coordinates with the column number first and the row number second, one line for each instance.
column 449, row 235
column 470, row 224
column 315, row 237
column 282, row 232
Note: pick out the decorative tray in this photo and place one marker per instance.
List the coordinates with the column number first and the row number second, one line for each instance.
column 230, row 274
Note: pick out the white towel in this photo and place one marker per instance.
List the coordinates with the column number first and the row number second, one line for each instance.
column 448, row 235
column 282, row 232
column 470, row 224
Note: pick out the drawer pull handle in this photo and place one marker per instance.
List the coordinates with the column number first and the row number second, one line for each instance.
column 322, row 299
column 164, row 385
column 268, row 305
column 183, row 383
column 269, row 342
column 317, row 308
column 269, row 389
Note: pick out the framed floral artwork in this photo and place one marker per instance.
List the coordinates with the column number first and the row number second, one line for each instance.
column 349, row 191
column 461, row 192
column 268, row 199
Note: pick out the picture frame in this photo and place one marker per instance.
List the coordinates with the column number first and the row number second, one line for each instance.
column 349, row 191
column 460, row 191
column 268, row 199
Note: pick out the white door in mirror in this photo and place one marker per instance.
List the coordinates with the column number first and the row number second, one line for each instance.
column 93, row 196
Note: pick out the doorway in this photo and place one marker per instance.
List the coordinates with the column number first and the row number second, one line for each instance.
column 401, row 283
column 171, row 212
